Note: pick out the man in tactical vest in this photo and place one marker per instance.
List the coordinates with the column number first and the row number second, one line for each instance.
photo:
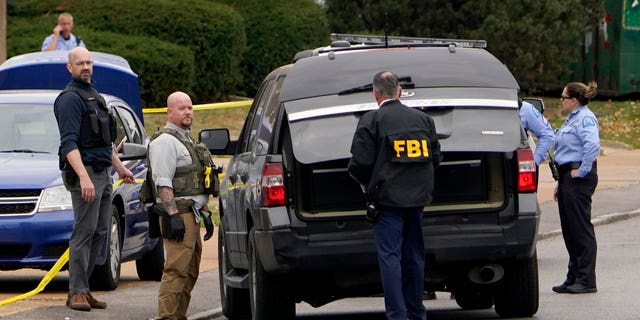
column 182, row 173
column 395, row 151
column 87, row 132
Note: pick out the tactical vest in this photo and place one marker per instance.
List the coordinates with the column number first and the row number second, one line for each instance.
column 98, row 127
column 197, row 178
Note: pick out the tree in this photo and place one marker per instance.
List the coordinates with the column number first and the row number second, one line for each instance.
column 3, row 30
column 536, row 39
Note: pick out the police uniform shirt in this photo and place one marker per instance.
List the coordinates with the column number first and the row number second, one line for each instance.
column 533, row 121
column 578, row 140
column 166, row 153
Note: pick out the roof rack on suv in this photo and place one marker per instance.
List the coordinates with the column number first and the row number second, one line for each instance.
column 373, row 40
column 348, row 42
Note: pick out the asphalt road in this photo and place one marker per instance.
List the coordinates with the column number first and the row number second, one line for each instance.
column 616, row 199
column 618, row 262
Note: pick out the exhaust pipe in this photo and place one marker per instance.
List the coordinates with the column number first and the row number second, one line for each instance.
column 486, row 274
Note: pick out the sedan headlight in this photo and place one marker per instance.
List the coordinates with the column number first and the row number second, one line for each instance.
column 55, row 199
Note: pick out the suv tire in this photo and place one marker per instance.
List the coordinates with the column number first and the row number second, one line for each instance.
column 268, row 292
column 235, row 301
column 149, row 267
column 517, row 293
column 474, row 298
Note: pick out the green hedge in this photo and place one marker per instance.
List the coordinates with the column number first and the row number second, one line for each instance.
column 235, row 43
column 276, row 31
column 213, row 32
column 162, row 67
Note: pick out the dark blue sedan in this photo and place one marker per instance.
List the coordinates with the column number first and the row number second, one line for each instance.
column 36, row 216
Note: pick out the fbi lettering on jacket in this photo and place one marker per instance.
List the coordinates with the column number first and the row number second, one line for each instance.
column 410, row 147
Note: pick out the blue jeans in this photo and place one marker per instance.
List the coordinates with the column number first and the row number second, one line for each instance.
column 399, row 241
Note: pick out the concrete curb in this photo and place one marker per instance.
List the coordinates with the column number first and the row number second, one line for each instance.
column 597, row 221
column 207, row 315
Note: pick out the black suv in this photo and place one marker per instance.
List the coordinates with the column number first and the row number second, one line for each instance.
column 293, row 224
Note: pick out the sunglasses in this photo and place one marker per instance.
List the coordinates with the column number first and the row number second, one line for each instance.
column 565, row 97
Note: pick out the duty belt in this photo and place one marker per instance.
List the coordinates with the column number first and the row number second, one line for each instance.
column 184, row 206
column 564, row 168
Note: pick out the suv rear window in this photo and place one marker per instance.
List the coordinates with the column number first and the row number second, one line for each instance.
column 473, row 128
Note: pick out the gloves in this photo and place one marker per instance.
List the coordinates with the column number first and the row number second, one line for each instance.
column 372, row 212
column 208, row 224
column 173, row 227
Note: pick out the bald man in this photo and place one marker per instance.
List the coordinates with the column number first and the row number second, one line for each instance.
column 62, row 38
column 87, row 132
column 177, row 164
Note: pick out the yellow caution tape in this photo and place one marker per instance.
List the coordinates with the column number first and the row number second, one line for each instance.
column 208, row 106
column 54, row 270
column 43, row 283
column 119, row 182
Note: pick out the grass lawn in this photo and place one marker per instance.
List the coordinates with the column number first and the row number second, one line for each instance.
column 618, row 120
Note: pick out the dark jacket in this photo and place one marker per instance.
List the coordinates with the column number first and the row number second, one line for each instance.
column 395, row 151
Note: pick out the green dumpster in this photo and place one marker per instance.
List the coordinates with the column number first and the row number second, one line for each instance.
column 611, row 52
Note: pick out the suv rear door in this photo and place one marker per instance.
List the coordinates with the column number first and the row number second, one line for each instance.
column 245, row 168
column 471, row 127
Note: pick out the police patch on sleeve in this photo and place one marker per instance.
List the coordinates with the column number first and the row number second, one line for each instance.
column 536, row 112
column 589, row 122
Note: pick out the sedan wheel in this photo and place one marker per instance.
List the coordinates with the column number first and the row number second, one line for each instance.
column 107, row 276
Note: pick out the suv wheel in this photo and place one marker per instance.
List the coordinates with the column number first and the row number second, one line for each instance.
column 107, row 276
column 235, row 301
column 150, row 265
column 517, row 293
column 469, row 298
column 268, row 292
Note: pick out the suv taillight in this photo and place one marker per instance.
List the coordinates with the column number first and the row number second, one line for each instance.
column 273, row 191
column 526, row 171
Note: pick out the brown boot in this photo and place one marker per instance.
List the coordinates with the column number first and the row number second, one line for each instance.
column 95, row 304
column 79, row 302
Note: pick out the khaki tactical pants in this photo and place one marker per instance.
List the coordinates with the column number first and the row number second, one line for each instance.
column 181, row 271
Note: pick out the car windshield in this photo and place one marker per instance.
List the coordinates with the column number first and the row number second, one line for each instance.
column 28, row 128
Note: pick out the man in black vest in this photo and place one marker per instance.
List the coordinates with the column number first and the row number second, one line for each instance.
column 395, row 151
column 87, row 132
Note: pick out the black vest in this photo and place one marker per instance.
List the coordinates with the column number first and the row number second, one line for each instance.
column 98, row 128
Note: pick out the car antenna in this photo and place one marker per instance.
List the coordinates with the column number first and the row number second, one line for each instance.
column 386, row 30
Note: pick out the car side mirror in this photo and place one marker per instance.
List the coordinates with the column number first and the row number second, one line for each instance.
column 132, row 151
column 217, row 140
column 536, row 102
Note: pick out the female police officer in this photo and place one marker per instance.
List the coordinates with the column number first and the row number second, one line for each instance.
column 577, row 144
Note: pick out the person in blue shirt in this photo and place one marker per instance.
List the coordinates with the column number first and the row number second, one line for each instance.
column 577, row 144
column 62, row 38
column 533, row 121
